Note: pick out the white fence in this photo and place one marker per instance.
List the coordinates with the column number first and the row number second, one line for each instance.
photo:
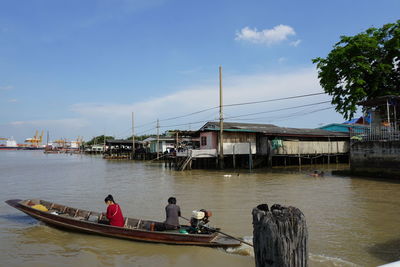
column 375, row 134
column 229, row 149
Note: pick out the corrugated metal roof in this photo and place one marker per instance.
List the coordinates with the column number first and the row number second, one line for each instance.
column 122, row 142
column 381, row 100
column 161, row 138
column 270, row 129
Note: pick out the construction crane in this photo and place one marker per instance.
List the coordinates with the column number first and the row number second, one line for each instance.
column 36, row 141
column 61, row 143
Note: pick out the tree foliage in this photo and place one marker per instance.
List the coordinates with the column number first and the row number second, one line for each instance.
column 99, row 140
column 139, row 137
column 362, row 67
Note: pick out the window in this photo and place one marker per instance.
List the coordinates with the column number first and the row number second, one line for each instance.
column 204, row 140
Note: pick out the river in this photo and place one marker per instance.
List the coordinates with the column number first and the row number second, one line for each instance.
column 351, row 221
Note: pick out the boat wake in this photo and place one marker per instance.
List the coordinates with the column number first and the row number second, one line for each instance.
column 243, row 249
column 323, row 260
column 315, row 260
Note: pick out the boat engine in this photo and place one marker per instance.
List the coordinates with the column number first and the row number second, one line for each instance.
column 199, row 220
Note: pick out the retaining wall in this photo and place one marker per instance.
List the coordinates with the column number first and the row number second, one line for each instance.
column 376, row 158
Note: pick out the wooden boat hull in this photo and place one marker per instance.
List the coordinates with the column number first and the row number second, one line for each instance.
column 82, row 224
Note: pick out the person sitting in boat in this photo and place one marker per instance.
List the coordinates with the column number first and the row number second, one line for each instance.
column 173, row 212
column 114, row 212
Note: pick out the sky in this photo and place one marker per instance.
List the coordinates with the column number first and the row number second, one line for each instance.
column 80, row 68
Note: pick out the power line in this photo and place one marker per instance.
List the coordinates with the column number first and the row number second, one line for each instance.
column 275, row 110
column 271, row 100
column 230, row 105
column 142, row 125
column 248, row 119
column 148, row 130
column 187, row 115
column 286, row 116
column 183, row 124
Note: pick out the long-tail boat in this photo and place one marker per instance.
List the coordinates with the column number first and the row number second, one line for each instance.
column 86, row 221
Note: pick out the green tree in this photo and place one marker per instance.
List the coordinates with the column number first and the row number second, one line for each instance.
column 99, row 140
column 362, row 67
column 139, row 137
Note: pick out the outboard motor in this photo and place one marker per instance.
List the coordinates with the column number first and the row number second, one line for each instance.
column 199, row 220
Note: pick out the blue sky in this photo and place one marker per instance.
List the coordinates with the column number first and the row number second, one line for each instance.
column 79, row 68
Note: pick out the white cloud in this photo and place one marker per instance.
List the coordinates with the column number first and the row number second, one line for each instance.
column 295, row 43
column 282, row 60
column 90, row 119
column 13, row 100
column 237, row 88
column 268, row 36
column 67, row 123
column 6, row 88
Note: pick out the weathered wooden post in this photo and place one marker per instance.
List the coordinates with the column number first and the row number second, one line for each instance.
column 280, row 236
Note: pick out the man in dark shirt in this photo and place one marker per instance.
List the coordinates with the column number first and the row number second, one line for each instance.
column 173, row 212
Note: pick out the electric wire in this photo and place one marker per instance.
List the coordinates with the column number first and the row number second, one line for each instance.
column 271, row 100
column 256, row 113
column 285, row 116
column 230, row 105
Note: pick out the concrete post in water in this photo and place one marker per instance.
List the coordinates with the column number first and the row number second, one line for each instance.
column 280, row 236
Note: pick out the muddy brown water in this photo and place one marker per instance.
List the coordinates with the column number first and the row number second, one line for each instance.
column 351, row 221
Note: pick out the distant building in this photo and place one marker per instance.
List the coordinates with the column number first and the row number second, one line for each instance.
column 165, row 143
column 270, row 144
column 357, row 125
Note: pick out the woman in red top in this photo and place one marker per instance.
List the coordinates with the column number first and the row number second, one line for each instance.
column 114, row 212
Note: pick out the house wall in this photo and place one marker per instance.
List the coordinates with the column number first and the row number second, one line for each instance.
column 212, row 140
column 376, row 158
column 239, row 148
column 237, row 142
column 312, row 147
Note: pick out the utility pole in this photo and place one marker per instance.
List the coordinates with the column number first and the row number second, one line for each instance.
column 221, row 123
column 133, row 136
column 158, row 139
